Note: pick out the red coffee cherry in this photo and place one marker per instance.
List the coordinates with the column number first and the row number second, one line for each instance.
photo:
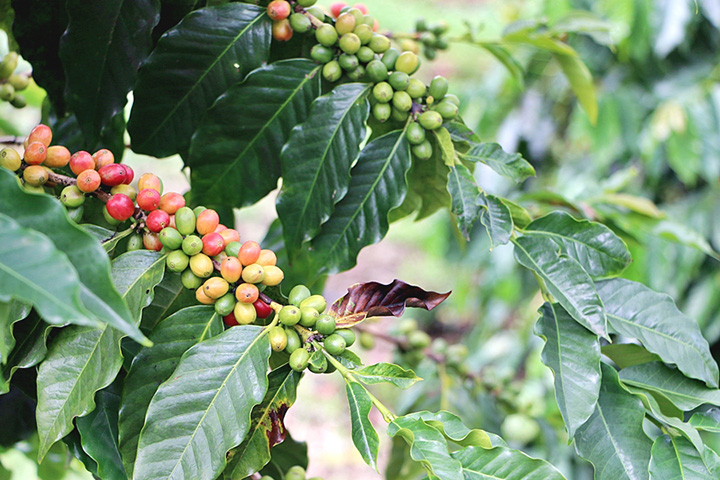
column 148, row 199
column 336, row 7
column 171, row 202
column 279, row 10
column 35, row 153
column 282, row 30
column 81, row 161
column 157, row 220
column 42, row 134
column 213, row 244
column 130, row 174
column 229, row 320
column 120, row 207
column 113, row 174
column 88, row 181
column 103, row 157
column 263, row 309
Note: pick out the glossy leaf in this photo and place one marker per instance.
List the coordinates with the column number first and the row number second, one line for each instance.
column 46, row 215
column 427, row 188
column 512, row 166
column 676, row 458
column 364, row 435
column 496, row 218
column 708, row 421
column 443, row 142
column 193, row 64
column 108, row 238
column 573, row 354
column 29, row 350
column 153, row 365
column 215, row 386
column 581, row 82
column 565, row 279
column 613, row 439
column 316, row 161
column 99, row 434
column 635, row 311
column 267, row 427
column 464, row 192
column 386, row 373
column 361, row 217
column 684, row 392
column 452, row 427
column 520, row 216
column 136, row 274
column 101, row 50
column 10, row 313
column 170, row 296
column 374, row 299
column 593, row 245
column 628, row 354
column 503, row 463
column 240, row 139
column 428, row 447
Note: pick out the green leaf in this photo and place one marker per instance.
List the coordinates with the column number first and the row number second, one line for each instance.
column 101, row 50
column 520, row 216
column 464, row 192
column 505, row 57
column 46, row 215
column 240, row 139
column 565, row 279
column 628, row 354
column 573, row 354
column 593, row 245
column 386, row 373
column 581, row 82
column 285, row 455
column 316, row 161
column 30, row 348
column 99, row 434
column 193, row 64
column 676, row 458
column 364, row 435
column 708, row 421
column 427, row 183
column 539, row 39
column 512, row 166
column 215, row 386
column 443, row 142
column 635, row 311
column 684, row 235
column 172, row 337
column 428, row 447
column 108, row 238
column 684, row 392
column 503, row 463
column 136, row 273
column 170, row 296
column 613, row 439
column 10, row 313
column 496, row 218
column 452, row 427
column 45, row 279
column 361, row 218
column 267, row 428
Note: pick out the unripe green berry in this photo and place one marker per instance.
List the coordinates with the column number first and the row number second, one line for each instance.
column 225, row 304
column 231, row 249
column 135, row 242
column 325, row 325
column 368, row 20
column 419, row 339
column 321, row 54
column 381, row 111
column 357, row 74
column 177, row 261
column 306, row 3
column 402, row 101
column 171, row 238
column 407, row 62
column 18, row 101
column 332, row 71
column 289, row 315
column 300, row 23
column 399, row 115
column 349, row 43
column 429, row 52
column 389, row 58
column 76, row 215
column 365, row 54
column 364, row 33
column 71, row 196
column 7, row 92
column 297, row 294
column 192, row 245
column 430, row 120
column 416, row 88
column 376, row 71
column 367, row 340
column 319, row 367
column 10, row 159
column 407, row 325
column 438, row 87
column 334, row 344
column 383, row 92
column 317, row 302
column 447, row 110
column 345, row 23
column 315, row 11
column 379, row 43
column 348, row 62
column 198, row 210
column 415, row 133
column 185, row 220
column 308, row 317
column 456, row 354
column 423, row 151
column 399, row 80
column 299, row 359
column 326, row 35
column 452, row 99
column 440, row 27
column 19, row 82
column 293, row 340
column 8, row 65
column 348, row 334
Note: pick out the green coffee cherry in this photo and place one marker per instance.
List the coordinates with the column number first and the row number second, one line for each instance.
column 185, row 220
column 416, row 88
column 365, row 54
column 383, row 92
column 399, row 115
column 192, row 245
column 423, row 150
column 430, row 120
column 7, row 92
column 357, row 74
column 407, row 325
column 325, row 325
column 381, row 112
column 170, row 238
column 429, row 52
column 8, row 65
column 345, row 23
column 225, row 304
column 231, row 249
column 348, row 62
column 300, row 23
column 198, row 210
column 334, row 344
column 299, row 359
column 278, row 338
column 367, row 340
column 317, row 302
column 190, row 280
column 402, row 101
column 368, row 20
column 407, row 62
column 315, row 11
column 76, row 215
column 295, row 473
column 350, row 43
column 18, row 101
column 293, row 340
column 326, row 35
column 415, row 133
column 440, row 27
column 438, row 87
column 306, row 3
column 399, row 80
column 364, row 33
column 452, row 99
column 298, row 294
column 355, row 12
column 376, row 71
column 71, row 196
column 19, row 82
column 177, row 261
column 308, row 317
column 389, row 58
column 321, row 54
column 456, row 354
column 332, row 71
column 134, row 242
column 419, row 339
column 447, row 110
column 348, row 334
column 289, row 315
column 379, row 43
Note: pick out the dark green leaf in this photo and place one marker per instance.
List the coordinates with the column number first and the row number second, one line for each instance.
column 386, row 373
column 676, row 458
column 193, row 64
column 496, row 218
column 581, row 82
column 464, row 192
column 635, row 311
column 136, row 273
column 684, row 392
column 170, row 296
column 316, row 161
column 708, row 421
column 240, row 139
column 267, row 428
column 427, row 188
column 573, row 354
column 364, row 435
column 30, row 348
column 99, row 433
column 108, row 238
column 628, row 354
column 172, row 337
column 512, row 166
column 101, row 50
column 613, row 439
column 10, row 313
column 593, row 245
column 361, row 217
column 565, row 279
column 285, row 455
column 502, row 463
column 215, row 386
column 520, row 216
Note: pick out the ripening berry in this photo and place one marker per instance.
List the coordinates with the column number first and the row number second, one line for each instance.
column 213, row 244
column 10, row 159
column 81, row 161
column 113, row 174
column 157, row 220
column 42, row 134
column 171, row 202
column 220, row 228
column 362, row 7
column 215, row 287
column 229, row 319
column 201, row 265
column 35, row 175
column 152, row 242
column 244, row 313
column 273, row 276
column 148, row 199
column 278, row 342
column 207, row 221
column 202, row 298
column 253, row 273
column 336, row 7
column 35, row 153
column 262, row 309
column 249, row 252
column 103, row 157
column 282, row 30
column 57, row 156
column 149, row 180
column 230, row 235
column 126, row 189
column 120, row 207
column 88, row 181
column 278, row 9
column 266, row 258
column 247, row 293
column 345, row 23
column 231, row 269
column 72, row 197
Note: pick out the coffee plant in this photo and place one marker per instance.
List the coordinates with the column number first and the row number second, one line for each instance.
column 141, row 331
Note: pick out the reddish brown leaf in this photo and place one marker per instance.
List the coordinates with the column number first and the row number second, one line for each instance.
column 373, row 299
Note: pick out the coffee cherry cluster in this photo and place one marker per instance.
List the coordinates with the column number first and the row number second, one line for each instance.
column 11, row 82
column 294, row 473
column 416, row 345
column 350, row 49
column 432, row 37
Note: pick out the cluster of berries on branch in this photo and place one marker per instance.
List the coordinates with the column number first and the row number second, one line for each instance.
column 11, row 83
